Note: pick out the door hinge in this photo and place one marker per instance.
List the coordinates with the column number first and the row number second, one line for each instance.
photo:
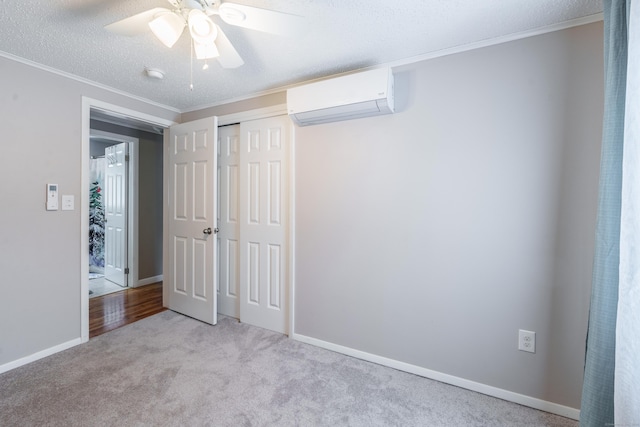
column 126, row 157
column 126, row 270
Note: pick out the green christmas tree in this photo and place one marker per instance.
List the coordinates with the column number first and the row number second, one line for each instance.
column 96, row 226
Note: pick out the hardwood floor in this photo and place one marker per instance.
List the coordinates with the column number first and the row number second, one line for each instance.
column 112, row 311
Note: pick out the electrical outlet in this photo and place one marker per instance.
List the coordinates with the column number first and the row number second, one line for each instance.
column 527, row 341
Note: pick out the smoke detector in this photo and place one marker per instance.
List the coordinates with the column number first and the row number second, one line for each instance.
column 154, row 73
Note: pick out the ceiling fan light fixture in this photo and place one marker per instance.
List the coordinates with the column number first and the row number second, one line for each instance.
column 205, row 51
column 167, row 27
column 201, row 27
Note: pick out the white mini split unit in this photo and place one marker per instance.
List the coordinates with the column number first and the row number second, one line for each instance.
column 369, row 93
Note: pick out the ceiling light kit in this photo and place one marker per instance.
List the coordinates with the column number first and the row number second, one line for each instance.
column 167, row 27
column 207, row 39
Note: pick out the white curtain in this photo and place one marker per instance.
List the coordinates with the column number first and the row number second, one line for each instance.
column 627, row 359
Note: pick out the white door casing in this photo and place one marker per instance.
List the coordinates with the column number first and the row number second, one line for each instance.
column 192, row 187
column 89, row 105
column 264, row 222
column 229, row 220
column 115, row 202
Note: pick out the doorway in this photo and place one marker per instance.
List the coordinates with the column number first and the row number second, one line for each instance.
column 112, row 211
column 144, row 261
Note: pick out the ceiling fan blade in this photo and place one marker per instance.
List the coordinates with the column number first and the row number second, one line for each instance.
column 229, row 57
column 136, row 24
column 253, row 18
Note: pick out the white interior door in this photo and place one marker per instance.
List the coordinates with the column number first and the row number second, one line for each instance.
column 115, row 202
column 264, row 222
column 192, row 161
column 229, row 220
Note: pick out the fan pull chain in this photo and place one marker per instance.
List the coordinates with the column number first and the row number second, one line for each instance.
column 191, row 75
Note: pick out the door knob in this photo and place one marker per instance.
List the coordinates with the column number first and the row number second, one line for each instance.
column 209, row 230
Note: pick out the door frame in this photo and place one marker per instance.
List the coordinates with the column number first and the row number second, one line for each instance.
column 132, row 200
column 89, row 104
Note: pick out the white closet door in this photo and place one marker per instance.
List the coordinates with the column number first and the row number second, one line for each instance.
column 229, row 221
column 264, row 222
column 192, row 221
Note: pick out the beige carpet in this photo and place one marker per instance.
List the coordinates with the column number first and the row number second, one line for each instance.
column 170, row 370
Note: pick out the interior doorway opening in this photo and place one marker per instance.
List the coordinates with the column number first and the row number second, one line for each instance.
column 113, row 206
column 145, row 137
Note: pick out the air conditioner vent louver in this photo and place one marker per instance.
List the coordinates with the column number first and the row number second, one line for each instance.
column 369, row 93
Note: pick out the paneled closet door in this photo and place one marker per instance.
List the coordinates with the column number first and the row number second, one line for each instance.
column 191, row 271
column 229, row 221
column 264, row 222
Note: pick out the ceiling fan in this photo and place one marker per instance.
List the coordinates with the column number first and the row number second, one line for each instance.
column 209, row 41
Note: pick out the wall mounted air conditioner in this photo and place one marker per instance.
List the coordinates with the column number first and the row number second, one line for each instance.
column 364, row 94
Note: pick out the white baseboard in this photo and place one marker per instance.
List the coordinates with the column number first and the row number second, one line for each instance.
column 149, row 280
column 39, row 355
column 510, row 396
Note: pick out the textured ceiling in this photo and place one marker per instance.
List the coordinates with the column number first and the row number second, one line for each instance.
column 339, row 36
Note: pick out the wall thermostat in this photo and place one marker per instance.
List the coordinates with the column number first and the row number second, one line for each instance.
column 52, row 197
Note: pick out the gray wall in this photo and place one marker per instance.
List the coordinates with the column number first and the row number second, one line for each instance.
column 432, row 235
column 41, row 116
column 96, row 148
column 149, row 196
column 150, row 208
column 237, row 107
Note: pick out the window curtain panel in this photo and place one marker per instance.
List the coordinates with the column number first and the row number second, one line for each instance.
column 611, row 389
column 627, row 361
